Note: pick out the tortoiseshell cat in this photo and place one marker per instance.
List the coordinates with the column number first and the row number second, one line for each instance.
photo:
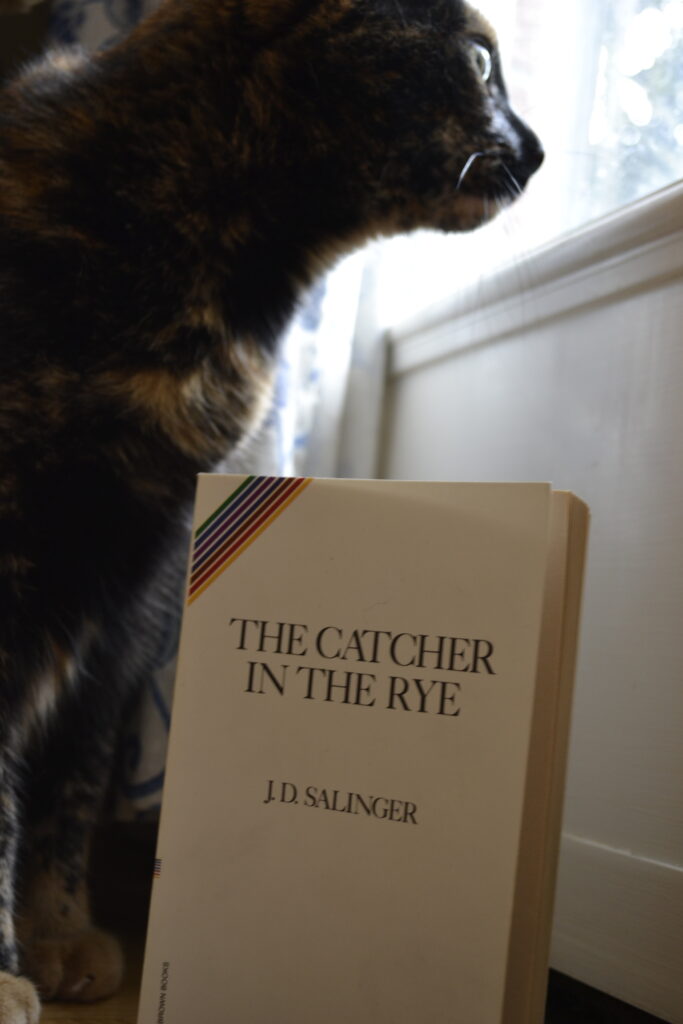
column 162, row 206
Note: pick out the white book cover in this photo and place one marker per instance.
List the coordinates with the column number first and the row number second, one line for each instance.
column 348, row 784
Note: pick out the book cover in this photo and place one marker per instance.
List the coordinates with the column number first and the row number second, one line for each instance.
column 351, row 830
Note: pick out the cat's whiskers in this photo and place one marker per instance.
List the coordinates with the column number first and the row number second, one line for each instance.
column 515, row 184
column 468, row 164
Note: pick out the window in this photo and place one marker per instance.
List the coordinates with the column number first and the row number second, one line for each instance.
column 601, row 81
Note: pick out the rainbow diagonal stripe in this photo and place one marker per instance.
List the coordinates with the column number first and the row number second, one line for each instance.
column 236, row 524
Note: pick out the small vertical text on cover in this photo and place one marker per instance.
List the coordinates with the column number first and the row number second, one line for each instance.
column 163, row 988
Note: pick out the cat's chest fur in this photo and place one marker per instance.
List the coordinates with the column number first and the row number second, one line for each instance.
column 202, row 410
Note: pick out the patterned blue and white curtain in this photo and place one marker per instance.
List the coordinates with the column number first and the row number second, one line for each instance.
column 95, row 23
column 299, row 437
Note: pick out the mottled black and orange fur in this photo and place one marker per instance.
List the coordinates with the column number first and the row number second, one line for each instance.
column 162, row 206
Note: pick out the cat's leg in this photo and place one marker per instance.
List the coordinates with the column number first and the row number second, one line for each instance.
column 62, row 951
column 19, row 1002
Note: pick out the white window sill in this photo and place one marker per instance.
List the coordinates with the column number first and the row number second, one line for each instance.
column 624, row 252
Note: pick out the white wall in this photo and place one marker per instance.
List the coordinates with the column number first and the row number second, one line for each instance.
column 569, row 368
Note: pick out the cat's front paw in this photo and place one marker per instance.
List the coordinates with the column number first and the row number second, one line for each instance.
column 19, row 1003
column 80, row 968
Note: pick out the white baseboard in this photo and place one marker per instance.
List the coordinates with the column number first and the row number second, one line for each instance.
column 629, row 914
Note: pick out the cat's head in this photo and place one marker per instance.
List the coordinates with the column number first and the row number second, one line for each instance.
column 413, row 92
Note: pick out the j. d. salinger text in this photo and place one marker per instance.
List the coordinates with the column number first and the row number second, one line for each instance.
column 381, row 807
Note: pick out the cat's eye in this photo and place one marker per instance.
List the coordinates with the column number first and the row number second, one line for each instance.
column 482, row 59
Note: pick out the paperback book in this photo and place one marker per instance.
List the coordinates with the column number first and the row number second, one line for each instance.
column 364, row 786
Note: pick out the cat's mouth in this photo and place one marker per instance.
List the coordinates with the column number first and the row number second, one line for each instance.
column 475, row 191
column 492, row 174
column 488, row 182
column 499, row 174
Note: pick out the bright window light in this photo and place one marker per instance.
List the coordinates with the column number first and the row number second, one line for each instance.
column 601, row 82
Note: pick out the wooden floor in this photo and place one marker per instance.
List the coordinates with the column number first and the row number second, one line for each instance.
column 127, row 862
